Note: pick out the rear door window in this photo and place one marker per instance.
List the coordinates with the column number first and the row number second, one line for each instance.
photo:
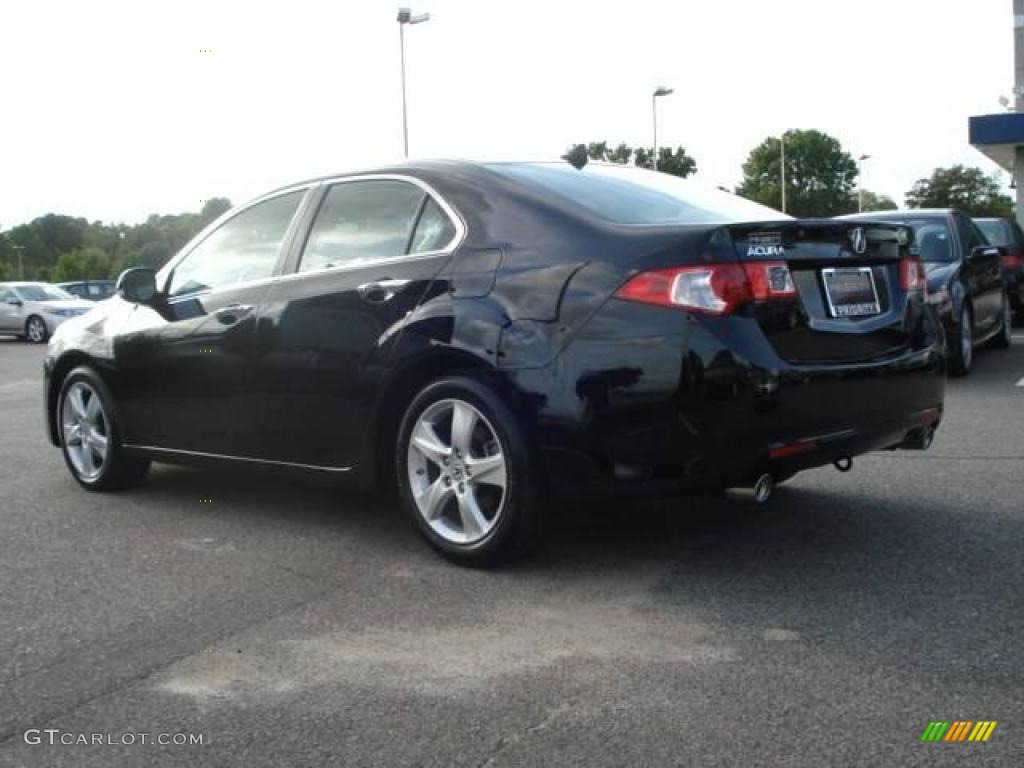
column 361, row 222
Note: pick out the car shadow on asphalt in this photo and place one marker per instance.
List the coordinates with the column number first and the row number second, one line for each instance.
column 863, row 570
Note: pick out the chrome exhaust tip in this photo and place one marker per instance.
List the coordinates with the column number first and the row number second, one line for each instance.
column 763, row 488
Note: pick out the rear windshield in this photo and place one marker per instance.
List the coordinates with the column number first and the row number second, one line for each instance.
column 995, row 231
column 933, row 240
column 629, row 195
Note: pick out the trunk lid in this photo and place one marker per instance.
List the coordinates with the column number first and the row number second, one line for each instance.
column 848, row 304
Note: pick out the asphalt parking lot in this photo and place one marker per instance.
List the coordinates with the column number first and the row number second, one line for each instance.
column 299, row 625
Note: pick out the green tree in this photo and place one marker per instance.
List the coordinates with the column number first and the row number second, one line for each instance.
column 966, row 189
column 870, row 201
column 820, row 176
column 213, row 208
column 676, row 162
column 576, row 155
column 672, row 161
column 81, row 264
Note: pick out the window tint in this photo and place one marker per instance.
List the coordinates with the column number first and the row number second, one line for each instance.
column 361, row 221
column 434, row 230
column 995, row 231
column 244, row 248
column 932, row 239
column 41, row 292
column 629, row 195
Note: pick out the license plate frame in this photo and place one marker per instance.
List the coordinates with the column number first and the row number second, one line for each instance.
column 867, row 306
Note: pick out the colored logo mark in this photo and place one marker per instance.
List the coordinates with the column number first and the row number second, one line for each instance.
column 958, row 730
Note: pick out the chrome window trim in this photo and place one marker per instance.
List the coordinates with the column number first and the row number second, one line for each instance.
column 456, row 219
column 229, row 457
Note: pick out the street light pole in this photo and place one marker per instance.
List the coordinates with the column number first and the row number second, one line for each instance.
column 405, row 17
column 782, row 167
column 659, row 91
column 860, row 182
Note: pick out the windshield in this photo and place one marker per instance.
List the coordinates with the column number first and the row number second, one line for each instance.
column 995, row 231
column 933, row 240
column 630, row 195
column 41, row 292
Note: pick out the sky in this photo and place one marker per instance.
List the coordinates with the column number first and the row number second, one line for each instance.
column 116, row 110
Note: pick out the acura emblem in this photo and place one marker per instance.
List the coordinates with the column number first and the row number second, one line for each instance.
column 858, row 240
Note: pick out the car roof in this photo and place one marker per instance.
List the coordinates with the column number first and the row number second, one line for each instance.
column 903, row 213
column 408, row 167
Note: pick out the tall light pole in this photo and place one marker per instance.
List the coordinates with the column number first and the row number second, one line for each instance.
column 782, row 168
column 860, row 182
column 659, row 91
column 405, row 17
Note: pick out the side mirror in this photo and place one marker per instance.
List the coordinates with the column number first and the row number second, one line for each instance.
column 983, row 252
column 137, row 285
column 15, row 302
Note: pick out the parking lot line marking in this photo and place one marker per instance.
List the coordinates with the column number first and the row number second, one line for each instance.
column 1020, row 381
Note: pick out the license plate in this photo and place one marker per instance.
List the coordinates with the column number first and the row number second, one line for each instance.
column 851, row 291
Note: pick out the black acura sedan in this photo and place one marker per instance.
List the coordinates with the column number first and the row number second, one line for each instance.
column 483, row 335
column 966, row 284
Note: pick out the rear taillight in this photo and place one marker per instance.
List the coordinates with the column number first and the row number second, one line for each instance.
column 713, row 288
column 1011, row 261
column 912, row 277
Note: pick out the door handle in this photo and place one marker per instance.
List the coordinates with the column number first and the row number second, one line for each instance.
column 232, row 313
column 380, row 291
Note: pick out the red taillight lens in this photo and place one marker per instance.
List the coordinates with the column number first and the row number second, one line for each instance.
column 714, row 288
column 912, row 277
column 1011, row 261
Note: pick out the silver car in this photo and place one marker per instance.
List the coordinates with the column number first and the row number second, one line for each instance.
column 34, row 310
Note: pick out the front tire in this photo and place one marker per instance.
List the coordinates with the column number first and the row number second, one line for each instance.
column 961, row 344
column 90, row 436
column 35, row 330
column 465, row 473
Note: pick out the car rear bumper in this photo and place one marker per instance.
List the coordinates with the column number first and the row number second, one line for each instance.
column 711, row 405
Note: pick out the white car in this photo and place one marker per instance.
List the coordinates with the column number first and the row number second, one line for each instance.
column 34, row 310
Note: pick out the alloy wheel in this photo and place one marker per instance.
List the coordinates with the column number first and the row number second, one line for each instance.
column 457, row 471
column 86, row 430
column 36, row 330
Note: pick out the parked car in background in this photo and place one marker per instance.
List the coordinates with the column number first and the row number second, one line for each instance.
column 965, row 279
column 1007, row 234
column 92, row 290
column 35, row 310
column 483, row 335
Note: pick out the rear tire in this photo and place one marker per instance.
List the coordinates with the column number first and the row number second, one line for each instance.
column 90, row 437
column 960, row 343
column 36, row 331
column 466, row 473
column 1004, row 338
